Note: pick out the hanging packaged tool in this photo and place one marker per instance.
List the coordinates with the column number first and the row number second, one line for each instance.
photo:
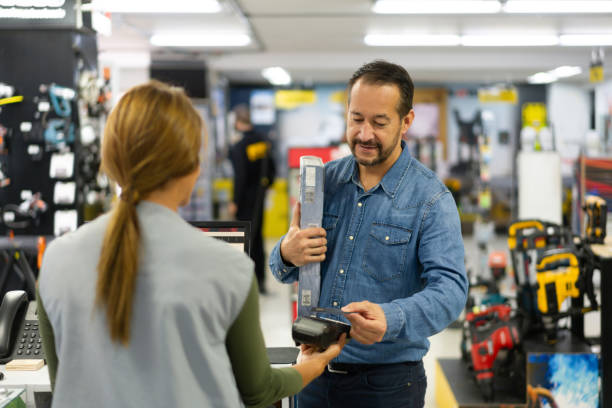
column 60, row 99
column 4, row 179
column 4, row 150
column 28, row 213
column 59, row 131
column 597, row 213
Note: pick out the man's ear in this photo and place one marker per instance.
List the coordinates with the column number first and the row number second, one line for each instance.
column 407, row 121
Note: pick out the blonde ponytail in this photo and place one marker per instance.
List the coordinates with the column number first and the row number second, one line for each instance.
column 153, row 135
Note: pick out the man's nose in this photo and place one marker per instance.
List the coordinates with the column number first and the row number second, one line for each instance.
column 367, row 132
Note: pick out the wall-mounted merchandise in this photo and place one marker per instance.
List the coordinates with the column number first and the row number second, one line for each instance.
column 50, row 138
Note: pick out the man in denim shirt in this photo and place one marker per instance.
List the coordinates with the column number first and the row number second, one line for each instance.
column 390, row 247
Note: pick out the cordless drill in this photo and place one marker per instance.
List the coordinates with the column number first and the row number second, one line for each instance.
column 597, row 213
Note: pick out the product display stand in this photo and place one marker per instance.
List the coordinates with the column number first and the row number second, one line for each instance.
column 604, row 253
column 455, row 388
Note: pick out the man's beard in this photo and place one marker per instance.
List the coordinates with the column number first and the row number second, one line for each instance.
column 380, row 157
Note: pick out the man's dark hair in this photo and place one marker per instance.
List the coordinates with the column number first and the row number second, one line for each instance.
column 380, row 72
column 243, row 113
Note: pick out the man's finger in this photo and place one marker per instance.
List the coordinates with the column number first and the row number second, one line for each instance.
column 355, row 318
column 314, row 258
column 295, row 216
column 316, row 243
column 357, row 307
column 313, row 232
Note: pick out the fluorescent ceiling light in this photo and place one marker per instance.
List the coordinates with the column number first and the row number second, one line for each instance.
column 276, row 75
column 32, row 3
column 508, row 40
column 436, row 6
column 541, row 78
column 157, row 6
column 586, row 40
column 390, row 40
column 566, row 71
column 200, row 40
column 558, row 6
column 33, row 13
column 547, row 77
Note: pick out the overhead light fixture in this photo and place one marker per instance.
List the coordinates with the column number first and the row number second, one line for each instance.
column 556, row 6
column 585, row 40
column 541, row 78
column 407, row 40
column 436, row 7
column 32, row 13
column 547, row 77
column 566, row 71
column 276, row 76
column 509, row 40
column 201, row 40
column 156, row 6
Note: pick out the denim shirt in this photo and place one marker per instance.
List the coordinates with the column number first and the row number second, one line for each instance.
column 399, row 245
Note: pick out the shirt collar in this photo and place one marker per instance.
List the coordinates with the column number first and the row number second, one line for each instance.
column 391, row 180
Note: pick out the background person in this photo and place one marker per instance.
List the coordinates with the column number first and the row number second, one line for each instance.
column 254, row 172
column 390, row 247
column 139, row 309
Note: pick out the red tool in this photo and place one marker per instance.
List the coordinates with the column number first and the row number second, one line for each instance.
column 491, row 330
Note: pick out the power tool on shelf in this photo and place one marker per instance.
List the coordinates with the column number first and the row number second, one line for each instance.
column 560, row 277
column 597, row 213
column 526, row 240
column 494, row 341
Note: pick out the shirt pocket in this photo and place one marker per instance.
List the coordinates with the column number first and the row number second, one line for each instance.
column 385, row 253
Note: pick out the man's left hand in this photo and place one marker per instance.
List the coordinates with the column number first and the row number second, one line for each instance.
column 369, row 324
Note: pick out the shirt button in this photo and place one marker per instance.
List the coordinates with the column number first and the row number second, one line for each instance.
column 387, row 238
column 284, row 270
column 351, row 237
column 335, row 303
column 359, row 204
column 341, row 271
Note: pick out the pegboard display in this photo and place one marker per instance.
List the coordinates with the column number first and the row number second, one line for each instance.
column 50, row 125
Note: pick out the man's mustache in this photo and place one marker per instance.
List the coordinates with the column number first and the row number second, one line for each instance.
column 367, row 144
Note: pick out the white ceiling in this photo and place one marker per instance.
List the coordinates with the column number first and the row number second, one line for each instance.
column 322, row 41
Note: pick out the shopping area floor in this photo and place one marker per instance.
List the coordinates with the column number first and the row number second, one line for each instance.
column 276, row 317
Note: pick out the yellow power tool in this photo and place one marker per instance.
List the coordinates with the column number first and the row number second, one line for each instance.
column 557, row 277
column 597, row 212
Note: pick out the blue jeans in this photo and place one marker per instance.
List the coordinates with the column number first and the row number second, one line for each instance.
column 390, row 386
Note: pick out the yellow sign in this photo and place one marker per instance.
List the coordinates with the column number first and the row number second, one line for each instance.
column 534, row 115
column 596, row 73
column 491, row 95
column 292, row 98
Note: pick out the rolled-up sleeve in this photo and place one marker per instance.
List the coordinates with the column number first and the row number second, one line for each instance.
column 282, row 272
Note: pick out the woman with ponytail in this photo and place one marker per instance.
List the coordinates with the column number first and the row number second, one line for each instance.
column 139, row 309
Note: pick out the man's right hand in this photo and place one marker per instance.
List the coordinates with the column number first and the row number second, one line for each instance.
column 302, row 246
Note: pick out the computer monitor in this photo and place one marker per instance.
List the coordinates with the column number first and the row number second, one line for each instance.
column 235, row 233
